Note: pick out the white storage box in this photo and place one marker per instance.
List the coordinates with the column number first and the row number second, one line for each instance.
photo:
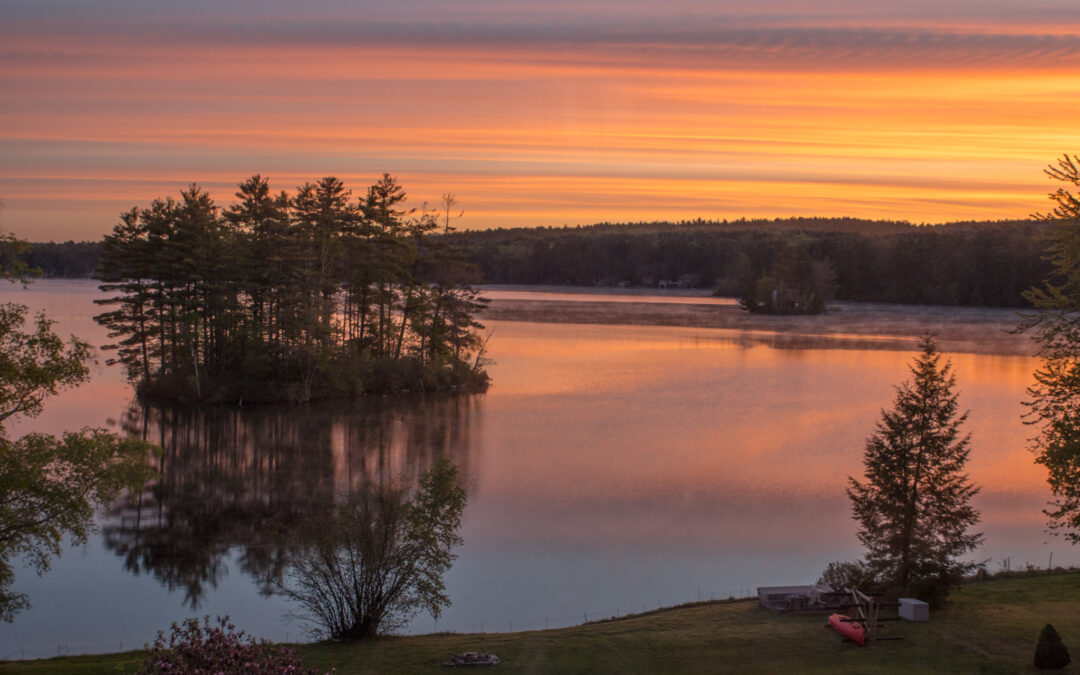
column 914, row 610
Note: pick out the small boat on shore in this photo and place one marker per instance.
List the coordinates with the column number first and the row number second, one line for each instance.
column 848, row 627
column 472, row 659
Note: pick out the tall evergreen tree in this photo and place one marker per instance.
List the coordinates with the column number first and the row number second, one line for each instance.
column 323, row 214
column 131, row 316
column 392, row 256
column 1055, row 396
column 914, row 506
column 260, row 225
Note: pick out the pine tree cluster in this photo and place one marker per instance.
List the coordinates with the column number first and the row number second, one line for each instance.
column 289, row 297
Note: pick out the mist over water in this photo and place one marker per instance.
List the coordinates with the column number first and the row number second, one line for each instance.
column 609, row 469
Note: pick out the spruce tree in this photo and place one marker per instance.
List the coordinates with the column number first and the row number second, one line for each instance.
column 1050, row 652
column 913, row 508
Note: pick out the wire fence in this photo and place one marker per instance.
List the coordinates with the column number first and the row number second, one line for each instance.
column 41, row 651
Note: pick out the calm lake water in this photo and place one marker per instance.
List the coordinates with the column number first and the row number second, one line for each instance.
column 609, row 469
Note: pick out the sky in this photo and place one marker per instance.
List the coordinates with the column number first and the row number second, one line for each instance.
column 540, row 113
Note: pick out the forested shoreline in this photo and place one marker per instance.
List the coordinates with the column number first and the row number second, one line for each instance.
column 66, row 260
column 987, row 264
column 981, row 264
column 289, row 297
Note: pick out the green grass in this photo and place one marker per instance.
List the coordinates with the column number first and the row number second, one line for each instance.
column 988, row 627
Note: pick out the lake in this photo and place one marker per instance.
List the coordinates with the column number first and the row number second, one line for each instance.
column 609, row 469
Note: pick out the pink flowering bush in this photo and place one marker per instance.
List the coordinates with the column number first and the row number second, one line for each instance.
column 194, row 647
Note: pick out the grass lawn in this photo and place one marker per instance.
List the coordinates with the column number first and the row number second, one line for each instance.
column 988, row 627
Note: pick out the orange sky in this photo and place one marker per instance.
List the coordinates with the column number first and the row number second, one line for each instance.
column 541, row 115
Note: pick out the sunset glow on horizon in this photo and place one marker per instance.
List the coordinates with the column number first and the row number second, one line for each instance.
column 562, row 113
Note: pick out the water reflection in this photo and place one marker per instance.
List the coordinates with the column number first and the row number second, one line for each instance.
column 248, row 481
column 806, row 341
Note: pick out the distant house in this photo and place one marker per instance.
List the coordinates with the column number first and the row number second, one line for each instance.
column 684, row 281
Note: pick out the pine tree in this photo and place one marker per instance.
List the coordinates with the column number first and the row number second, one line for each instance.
column 260, row 227
column 392, row 257
column 914, row 508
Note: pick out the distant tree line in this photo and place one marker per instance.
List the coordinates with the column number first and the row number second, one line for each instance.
column 280, row 296
column 69, row 260
column 986, row 264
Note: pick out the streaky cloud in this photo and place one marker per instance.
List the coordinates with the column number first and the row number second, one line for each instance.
column 692, row 43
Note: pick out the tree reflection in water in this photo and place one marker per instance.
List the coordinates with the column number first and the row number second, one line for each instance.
column 252, row 479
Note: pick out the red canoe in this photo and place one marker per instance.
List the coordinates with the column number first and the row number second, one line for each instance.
column 848, row 628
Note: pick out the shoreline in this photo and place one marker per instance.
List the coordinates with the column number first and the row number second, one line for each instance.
column 974, row 330
column 970, row 634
